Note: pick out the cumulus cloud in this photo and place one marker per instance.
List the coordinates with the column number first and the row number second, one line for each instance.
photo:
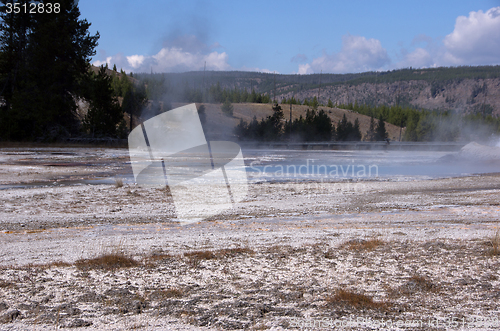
column 419, row 58
column 305, row 69
column 475, row 39
column 136, row 60
column 183, row 53
column 357, row 54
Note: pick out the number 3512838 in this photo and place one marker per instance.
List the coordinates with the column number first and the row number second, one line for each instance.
column 33, row 8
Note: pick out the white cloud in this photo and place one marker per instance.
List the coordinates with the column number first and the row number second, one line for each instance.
column 358, row 54
column 305, row 69
column 135, row 60
column 171, row 59
column 418, row 58
column 100, row 63
column 475, row 39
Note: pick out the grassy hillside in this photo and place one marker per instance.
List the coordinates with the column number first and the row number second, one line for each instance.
column 220, row 126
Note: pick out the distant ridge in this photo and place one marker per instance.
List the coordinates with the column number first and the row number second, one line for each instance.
column 463, row 89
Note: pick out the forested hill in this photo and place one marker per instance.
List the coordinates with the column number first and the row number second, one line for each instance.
column 460, row 89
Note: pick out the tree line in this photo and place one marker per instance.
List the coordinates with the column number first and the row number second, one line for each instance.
column 315, row 126
column 434, row 125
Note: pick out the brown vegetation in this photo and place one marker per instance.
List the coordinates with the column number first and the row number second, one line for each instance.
column 361, row 244
column 173, row 293
column 494, row 245
column 353, row 299
column 118, row 182
column 109, row 261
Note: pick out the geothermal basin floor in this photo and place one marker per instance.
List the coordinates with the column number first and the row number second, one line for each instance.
column 355, row 254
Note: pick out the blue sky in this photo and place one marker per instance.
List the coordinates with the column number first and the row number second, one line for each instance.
column 293, row 36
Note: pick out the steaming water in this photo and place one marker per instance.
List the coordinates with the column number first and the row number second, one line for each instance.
column 288, row 165
column 261, row 165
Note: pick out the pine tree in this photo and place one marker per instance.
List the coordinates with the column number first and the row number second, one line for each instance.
column 411, row 129
column 227, row 108
column 104, row 113
column 274, row 123
column 125, row 85
column 134, row 99
column 330, row 103
column 380, row 132
column 370, row 134
column 52, row 60
column 356, row 132
column 15, row 121
column 241, row 130
column 342, row 129
column 322, row 126
column 244, row 96
column 315, row 103
column 252, row 97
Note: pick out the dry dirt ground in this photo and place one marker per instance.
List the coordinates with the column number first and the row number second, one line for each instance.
column 421, row 254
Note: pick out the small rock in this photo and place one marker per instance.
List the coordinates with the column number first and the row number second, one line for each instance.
column 136, row 306
column 119, row 292
column 485, row 286
column 10, row 316
column 495, row 295
column 77, row 323
column 91, row 297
